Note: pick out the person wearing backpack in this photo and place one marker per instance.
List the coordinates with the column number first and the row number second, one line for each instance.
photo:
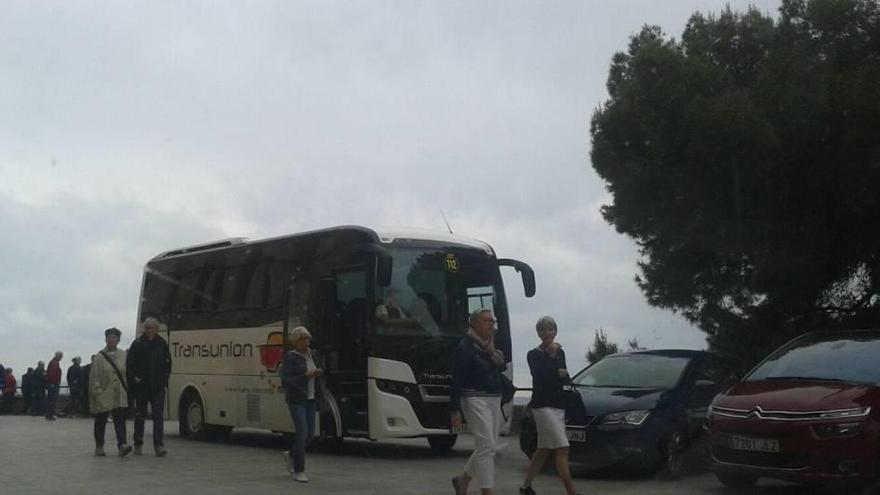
column 108, row 392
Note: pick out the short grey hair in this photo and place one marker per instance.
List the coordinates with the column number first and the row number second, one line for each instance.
column 151, row 322
column 476, row 314
column 545, row 322
column 299, row 333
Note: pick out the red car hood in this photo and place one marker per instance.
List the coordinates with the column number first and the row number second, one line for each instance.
column 798, row 396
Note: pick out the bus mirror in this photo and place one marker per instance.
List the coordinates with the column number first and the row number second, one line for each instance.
column 383, row 270
column 525, row 271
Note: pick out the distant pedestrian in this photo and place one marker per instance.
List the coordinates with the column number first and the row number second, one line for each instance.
column 74, row 387
column 53, row 383
column 38, row 401
column 84, row 384
column 27, row 390
column 8, row 391
column 476, row 395
column 108, row 392
column 149, row 365
column 298, row 374
column 549, row 375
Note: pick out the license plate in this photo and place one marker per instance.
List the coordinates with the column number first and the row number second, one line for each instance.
column 753, row 444
column 576, row 435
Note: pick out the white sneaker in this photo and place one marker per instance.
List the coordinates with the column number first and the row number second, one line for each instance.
column 288, row 461
column 300, row 477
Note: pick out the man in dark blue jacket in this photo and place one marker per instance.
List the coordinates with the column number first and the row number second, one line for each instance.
column 148, row 367
column 476, row 395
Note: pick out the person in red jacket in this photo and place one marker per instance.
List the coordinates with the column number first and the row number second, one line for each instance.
column 8, row 391
column 53, row 382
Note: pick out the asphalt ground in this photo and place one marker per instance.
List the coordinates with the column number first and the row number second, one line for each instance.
column 42, row 457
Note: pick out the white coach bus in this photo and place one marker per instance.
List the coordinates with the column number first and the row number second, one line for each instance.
column 226, row 308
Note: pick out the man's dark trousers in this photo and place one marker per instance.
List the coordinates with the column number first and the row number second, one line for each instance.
column 51, row 400
column 156, row 400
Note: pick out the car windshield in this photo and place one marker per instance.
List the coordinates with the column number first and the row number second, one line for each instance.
column 851, row 360
column 634, row 371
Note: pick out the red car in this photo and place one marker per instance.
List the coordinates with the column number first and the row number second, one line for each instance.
column 809, row 413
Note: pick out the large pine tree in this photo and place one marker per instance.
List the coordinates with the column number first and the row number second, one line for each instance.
column 744, row 160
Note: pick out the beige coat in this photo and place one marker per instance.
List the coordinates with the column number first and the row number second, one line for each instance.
column 106, row 391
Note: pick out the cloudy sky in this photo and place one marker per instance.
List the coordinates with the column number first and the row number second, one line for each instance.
column 128, row 128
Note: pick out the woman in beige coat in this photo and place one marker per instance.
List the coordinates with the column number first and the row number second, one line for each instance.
column 108, row 392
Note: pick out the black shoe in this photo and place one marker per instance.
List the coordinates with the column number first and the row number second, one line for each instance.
column 526, row 490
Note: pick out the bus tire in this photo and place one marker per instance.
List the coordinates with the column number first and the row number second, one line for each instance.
column 192, row 417
column 442, row 443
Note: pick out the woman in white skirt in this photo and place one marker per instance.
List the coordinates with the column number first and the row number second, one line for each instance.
column 549, row 374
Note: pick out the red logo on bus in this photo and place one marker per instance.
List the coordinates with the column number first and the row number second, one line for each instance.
column 272, row 352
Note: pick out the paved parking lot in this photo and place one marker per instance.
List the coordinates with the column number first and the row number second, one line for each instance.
column 44, row 457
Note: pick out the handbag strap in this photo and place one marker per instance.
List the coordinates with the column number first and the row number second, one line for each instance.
column 118, row 373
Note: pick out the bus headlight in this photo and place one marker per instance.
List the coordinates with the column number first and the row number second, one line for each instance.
column 403, row 389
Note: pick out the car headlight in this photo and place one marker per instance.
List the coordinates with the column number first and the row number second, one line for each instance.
column 846, row 413
column 633, row 418
column 837, row 429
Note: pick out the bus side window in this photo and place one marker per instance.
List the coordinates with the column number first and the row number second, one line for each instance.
column 157, row 296
column 298, row 310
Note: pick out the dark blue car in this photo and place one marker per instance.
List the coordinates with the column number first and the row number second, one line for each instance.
column 639, row 408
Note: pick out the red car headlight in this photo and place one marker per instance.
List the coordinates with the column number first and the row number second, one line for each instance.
column 837, row 429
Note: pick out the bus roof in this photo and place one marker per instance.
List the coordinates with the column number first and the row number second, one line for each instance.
column 383, row 235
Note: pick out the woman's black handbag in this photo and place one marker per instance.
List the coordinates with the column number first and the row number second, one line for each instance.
column 507, row 389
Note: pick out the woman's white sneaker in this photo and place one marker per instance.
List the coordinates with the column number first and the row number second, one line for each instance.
column 300, row 477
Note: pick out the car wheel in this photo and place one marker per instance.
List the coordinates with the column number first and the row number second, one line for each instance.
column 442, row 443
column 672, row 455
column 736, row 480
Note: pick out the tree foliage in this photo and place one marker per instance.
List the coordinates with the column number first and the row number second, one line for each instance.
column 601, row 347
column 744, row 160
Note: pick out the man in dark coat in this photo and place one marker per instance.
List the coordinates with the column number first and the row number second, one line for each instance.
column 38, row 399
column 74, row 387
column 148, row 367
column 27, row 390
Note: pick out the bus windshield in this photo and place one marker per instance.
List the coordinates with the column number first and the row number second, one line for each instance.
column 432, row 291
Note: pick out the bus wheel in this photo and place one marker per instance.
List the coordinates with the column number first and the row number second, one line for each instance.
column 192, row 417
column 442, row 443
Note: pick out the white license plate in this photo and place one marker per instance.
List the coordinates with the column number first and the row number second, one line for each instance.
column 753, row 444
column 576, row 435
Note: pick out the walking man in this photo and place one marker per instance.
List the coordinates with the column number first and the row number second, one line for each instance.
column 148, row 368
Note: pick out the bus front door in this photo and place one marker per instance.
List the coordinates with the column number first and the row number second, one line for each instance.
column 344, row 355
